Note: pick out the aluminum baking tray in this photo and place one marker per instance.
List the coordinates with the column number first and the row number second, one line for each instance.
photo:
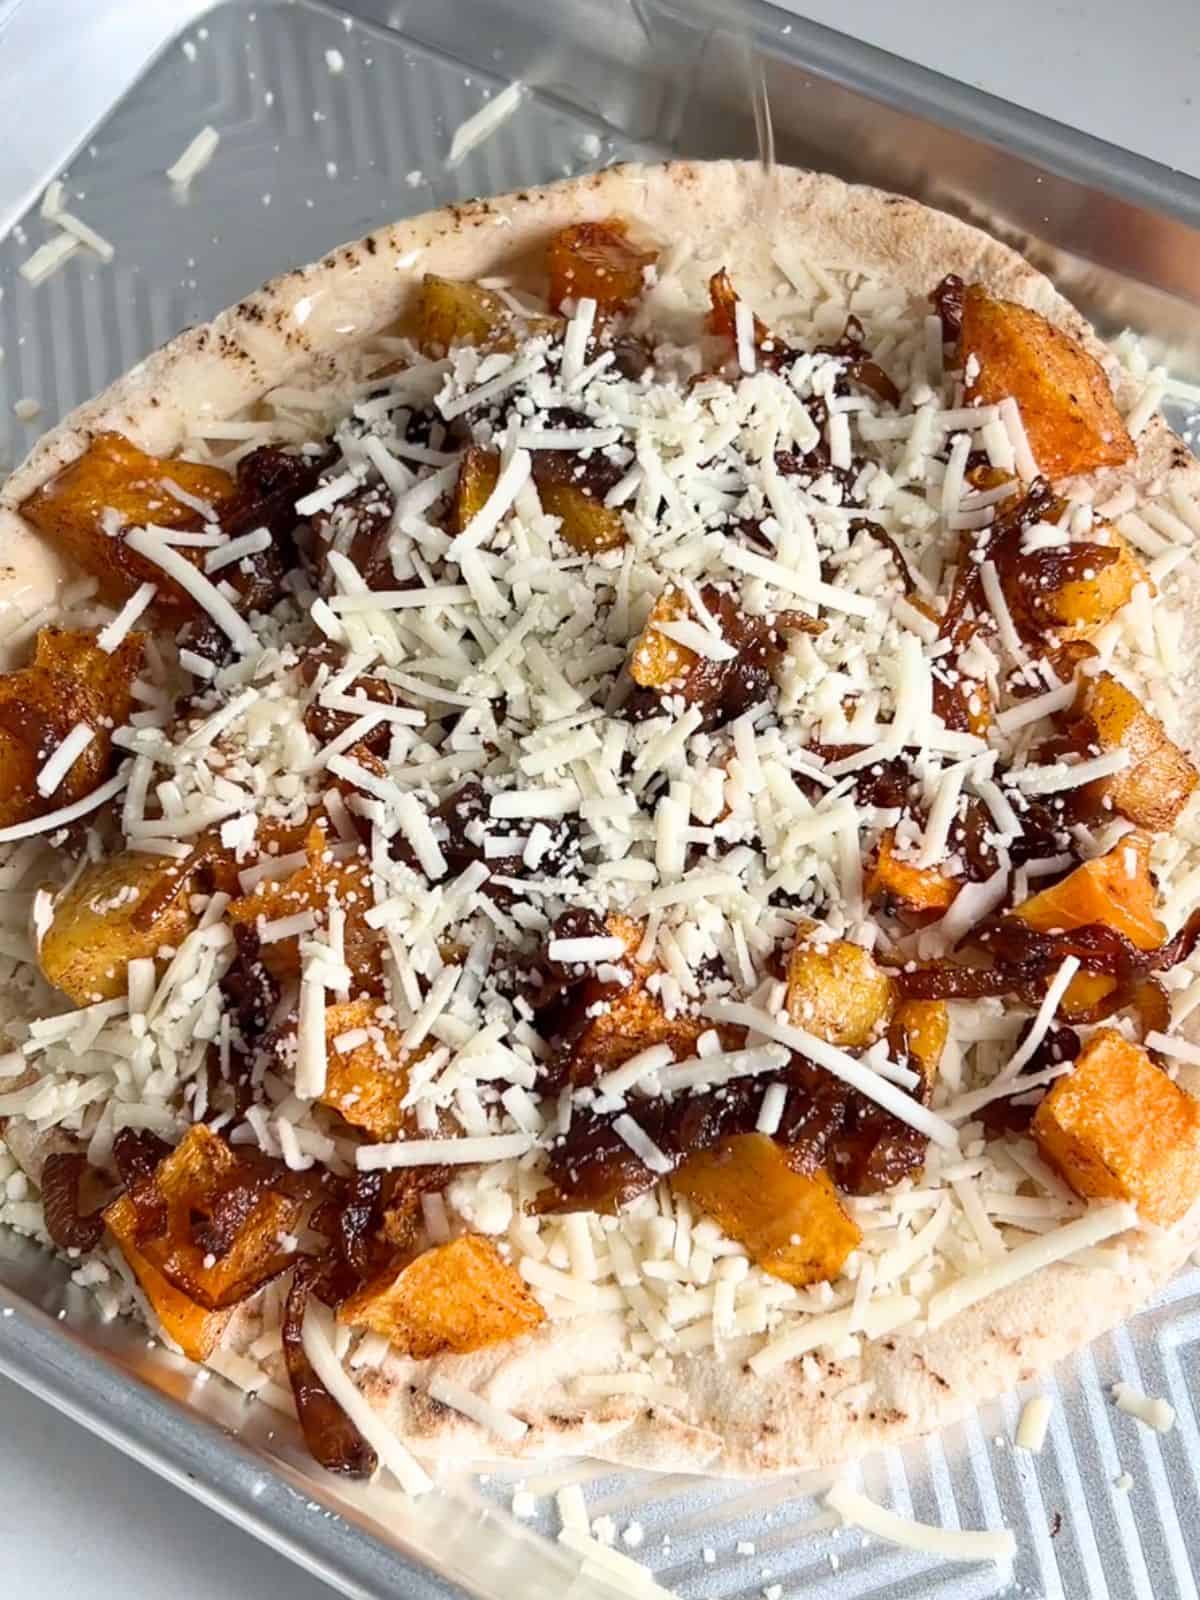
column 108, row 95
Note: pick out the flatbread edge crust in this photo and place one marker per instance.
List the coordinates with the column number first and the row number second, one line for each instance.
column 302, row 326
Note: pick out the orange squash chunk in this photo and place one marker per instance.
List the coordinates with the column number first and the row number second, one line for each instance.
column 124, row 908
column 1060, row 595
column 450, row 313
column 634, row 1021
column 596, row 261
column 187, row 1179
column 313, row 887
column 1085, row 990
column 196, row 1331
column 586, row 523
column 70, row 680
column 658, row 660
column 793, row 1227
column 919, row 1030
column 115, row 486
column 1067, row 407
column 837, row 992
column 1118, row 1128
column 618, row 1026
column 452, row 1299
column 366, row 1084
column 478, row 472
column 1115, row 889
column 1158, row 782
column 923, row 892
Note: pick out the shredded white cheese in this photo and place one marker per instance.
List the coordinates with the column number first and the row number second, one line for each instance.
column 954, row 1544
column 1034, row 1421
column 1154, row 1412
column 195, row 157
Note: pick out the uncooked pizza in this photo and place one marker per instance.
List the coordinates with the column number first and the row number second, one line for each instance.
column 599, row 843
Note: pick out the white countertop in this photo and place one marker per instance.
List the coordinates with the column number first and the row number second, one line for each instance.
column 78, row 1518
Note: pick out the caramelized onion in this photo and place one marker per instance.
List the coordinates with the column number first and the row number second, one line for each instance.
column 1007, row 1114
column 67, row 1224
column 357, row 1218
column 946, row 298
column 250, row 994
column 881, row 536
column 999, row 539
column 593, row 1169
column 1024, row 961
column 137, row 1153
column 332, row 1438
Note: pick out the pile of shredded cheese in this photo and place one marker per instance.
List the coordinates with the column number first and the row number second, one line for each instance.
column 506, row 651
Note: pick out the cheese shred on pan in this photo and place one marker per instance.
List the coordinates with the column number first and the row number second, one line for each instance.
column 1034, row 1421
column 953, row 1544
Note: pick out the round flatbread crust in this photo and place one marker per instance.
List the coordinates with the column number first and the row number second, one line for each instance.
column 302, row 327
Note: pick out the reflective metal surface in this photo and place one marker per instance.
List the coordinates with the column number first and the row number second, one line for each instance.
column 307, row 158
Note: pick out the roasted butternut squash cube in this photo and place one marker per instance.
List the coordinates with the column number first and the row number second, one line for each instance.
column 450, row 313
column 1158, row 782
column 70, row 681
column 597, row 261
column 658, row 660
column 587, row 524
column 1085, row 991
column 366, row 1083
column 923, row 893
column 1118, row 1128
column 1075, row 588
column 125, row 908
column 793, row 1226
column 85, row 510
column 189, row 1181
column 478, row 472
column 106, row 675
column 728, row 678
column 196, row 1331
column 193, row 1287
column 1115, row 889
column 1067, row 407
column 632, row 1021
column 609, row 1022
column 919, row 1030
column 837, row 991
column 324, row 881
column 452, row 1299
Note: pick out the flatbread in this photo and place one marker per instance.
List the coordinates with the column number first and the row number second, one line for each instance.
column 301, row 328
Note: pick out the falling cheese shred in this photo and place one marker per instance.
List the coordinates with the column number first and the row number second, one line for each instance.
column 490, row 116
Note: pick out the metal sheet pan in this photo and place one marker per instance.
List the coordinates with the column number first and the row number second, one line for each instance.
column 106, row 92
